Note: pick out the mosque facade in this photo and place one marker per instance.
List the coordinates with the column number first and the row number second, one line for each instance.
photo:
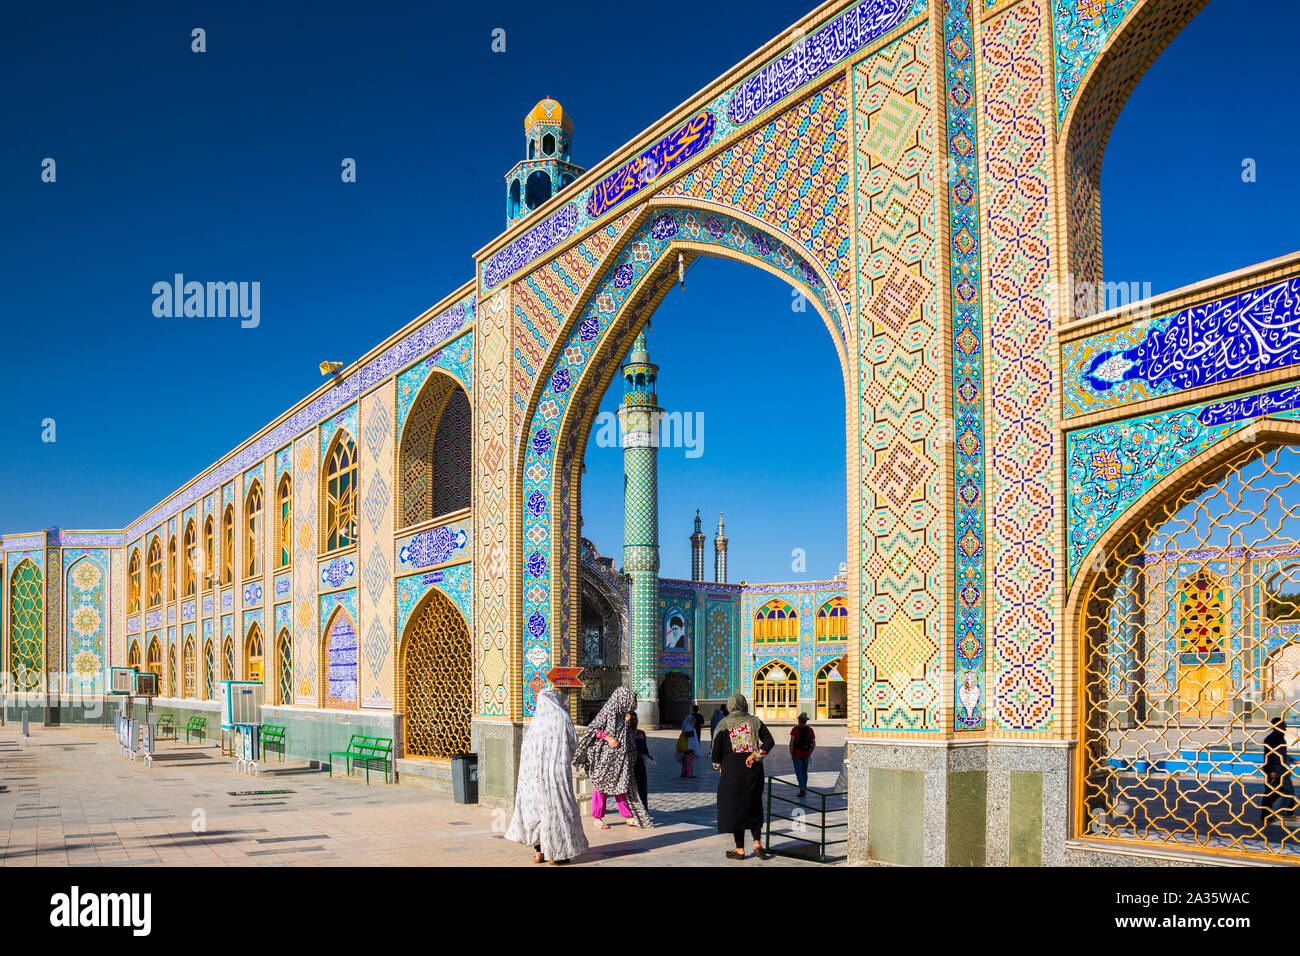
column 1066, row 614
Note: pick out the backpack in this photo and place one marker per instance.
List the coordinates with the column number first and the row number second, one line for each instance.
column 803, row 738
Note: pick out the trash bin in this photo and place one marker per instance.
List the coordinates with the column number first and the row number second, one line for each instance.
column 464, row 778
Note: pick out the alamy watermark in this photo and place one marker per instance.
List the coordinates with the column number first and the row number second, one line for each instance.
column 667, row 430
column 208, row 300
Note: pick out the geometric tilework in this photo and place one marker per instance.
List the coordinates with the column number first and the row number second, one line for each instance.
column 492, row 452
column 1081, row 29
column 788, row 174
column 1018, row 127
column 87, row 614
column 901, row 401
column 967, row 434
column 375, row 551
column 543, row 300
column 305, row 633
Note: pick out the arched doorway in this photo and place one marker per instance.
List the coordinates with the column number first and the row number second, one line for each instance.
column 657, row 248
column 437, row 672
column 776, row 692
column 284, row 658
column 339, row 653
column 433, row 459
column 603, row 633
column 253, row 654
column 190, row 664
column 832, row 692
column 676, row 694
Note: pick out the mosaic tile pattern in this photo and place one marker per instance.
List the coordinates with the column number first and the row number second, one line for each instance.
column 456, row 358
column 86, row 644
column 900, row 396
column 1018, row 131
column 493, row 443
column 305, row 621
column 788, row 173
column 448, row 542
column 635, row 260
column 1081, row 29
column 544, row 299
column 375, row 551
column 456, row 582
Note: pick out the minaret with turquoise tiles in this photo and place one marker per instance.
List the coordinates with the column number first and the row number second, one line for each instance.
column 639, row 420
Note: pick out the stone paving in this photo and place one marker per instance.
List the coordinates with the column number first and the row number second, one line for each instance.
column 68, row 798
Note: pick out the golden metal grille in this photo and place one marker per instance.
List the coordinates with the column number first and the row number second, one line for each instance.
column 1192, row 632
column 155, row 573
column 776, row 692
column 190, row 547
column 133, row 583
column 286, row 669
column 253, row 531
column 438, row 673
column 191, row 667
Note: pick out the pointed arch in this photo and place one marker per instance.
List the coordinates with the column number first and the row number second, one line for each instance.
column 171, row 670
column 284, row 667
column 228, row 545
column 155, row 572
column 209, row 670
column 253, row 530
column 133, row 655
column 154, row 662
column 191, row 555
column 633, row 278
column 133, row 583
column 339, row 494
column 209, row 554
column 284, row 522
column 189, row 661
column 26, row 625
column 433, row 458
column 776, row 622
column 833, row 619
column 171, row 569
column 776, row 691
column 227, row 658
column 338, row 655
column 253, row 657
column 436, row 679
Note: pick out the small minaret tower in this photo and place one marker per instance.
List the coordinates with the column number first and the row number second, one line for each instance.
column 639, row 418
column 720, row 554
column 547, row 170
column 697, row 550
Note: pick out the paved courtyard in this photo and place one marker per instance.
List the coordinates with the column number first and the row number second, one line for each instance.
column 68, row 798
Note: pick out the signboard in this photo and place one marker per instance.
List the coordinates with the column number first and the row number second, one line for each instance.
column 565, row 677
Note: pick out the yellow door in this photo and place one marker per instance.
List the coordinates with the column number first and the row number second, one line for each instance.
column 1203, row 691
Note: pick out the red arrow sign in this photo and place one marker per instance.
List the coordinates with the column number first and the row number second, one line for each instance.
column 565, row 676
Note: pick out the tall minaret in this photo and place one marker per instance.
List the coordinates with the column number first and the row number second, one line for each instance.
column 639, row 418
column 720, row 554
column 697, row 550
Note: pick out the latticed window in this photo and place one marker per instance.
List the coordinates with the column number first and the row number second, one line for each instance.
column 340, row 494
column 171, row 671
column 133, row 583
column 155, row 660
column 1183, row 622
column 190, row 549
column 26, row 625
column 437, row 671
column 209, row 666
column 209, row 566
column 286, row 669
column 253, row 654
column 228, row 545
column 253, row 531
column 284, row 542
column 433, row 464
column 832, row 696
column 133, row 656
column 833, row 620
column 190, row 678
column 171, row 569
column 776, row 692
column 776, row 621
column 227, row 659
column 155, row 573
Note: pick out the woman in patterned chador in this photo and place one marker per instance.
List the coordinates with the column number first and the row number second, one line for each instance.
column 740, row 743
column 608, row 755
column 546, row 812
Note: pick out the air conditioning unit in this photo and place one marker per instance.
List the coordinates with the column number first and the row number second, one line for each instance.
column 241, row 702
column 121, row 680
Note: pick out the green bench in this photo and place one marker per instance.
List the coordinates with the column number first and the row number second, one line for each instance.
column 364, row 750
column 272, row 737
column 196, row 725
column 167, row 725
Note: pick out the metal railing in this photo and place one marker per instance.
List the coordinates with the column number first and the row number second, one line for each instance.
column 816, row 807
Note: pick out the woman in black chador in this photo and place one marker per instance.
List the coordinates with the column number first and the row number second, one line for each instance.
column 740, row 743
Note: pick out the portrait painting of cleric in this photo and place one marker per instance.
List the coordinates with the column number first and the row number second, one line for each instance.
column 791, row 477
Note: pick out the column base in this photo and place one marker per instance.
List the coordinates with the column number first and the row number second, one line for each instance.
column 497, row 743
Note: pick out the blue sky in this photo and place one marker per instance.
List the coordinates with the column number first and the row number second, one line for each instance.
column 225, row 166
